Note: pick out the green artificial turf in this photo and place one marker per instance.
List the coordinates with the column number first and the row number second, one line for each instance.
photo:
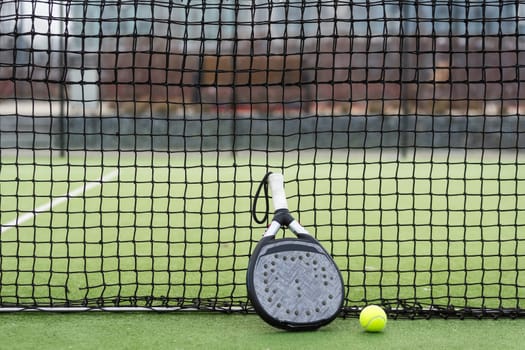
column 440, row 229
column 192, row 330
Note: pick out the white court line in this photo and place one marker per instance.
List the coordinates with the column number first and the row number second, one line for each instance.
column 56, row 201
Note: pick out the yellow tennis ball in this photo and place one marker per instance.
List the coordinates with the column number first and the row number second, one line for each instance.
column 372, row 318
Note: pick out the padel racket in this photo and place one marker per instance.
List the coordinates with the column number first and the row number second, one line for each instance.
column 293, row 283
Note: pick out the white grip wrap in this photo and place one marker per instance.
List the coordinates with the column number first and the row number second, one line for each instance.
column 276, row 182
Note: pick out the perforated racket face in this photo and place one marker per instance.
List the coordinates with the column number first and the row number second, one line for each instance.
column 295, row 282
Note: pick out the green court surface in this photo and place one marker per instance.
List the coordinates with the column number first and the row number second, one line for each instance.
column 438, row 228
column 442, row 228
column 178, row 331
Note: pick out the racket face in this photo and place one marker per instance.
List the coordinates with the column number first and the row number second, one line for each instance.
column 294, row 284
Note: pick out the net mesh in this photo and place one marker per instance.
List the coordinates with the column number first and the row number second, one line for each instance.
column 134, row 134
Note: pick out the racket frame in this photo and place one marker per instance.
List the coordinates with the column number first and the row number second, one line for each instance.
column 283, row 219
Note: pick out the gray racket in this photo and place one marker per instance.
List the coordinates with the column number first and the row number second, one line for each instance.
column 293, row 283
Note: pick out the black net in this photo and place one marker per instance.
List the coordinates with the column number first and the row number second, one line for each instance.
column 134, row 134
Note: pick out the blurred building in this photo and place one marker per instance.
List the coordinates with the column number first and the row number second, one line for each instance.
column 84, row 38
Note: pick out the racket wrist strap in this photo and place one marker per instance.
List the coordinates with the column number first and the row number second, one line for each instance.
column 283, row 217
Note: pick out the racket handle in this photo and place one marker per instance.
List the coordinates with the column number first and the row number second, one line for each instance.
column 276, row 182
